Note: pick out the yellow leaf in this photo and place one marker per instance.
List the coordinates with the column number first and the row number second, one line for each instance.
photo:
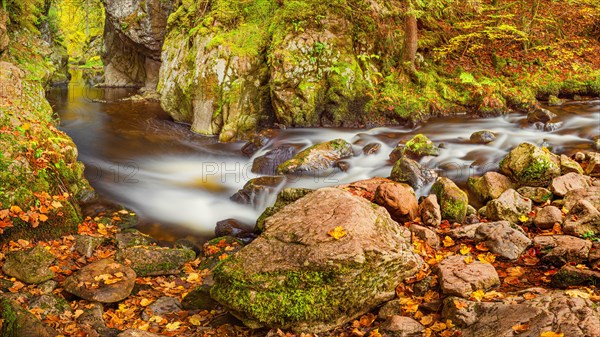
column 43, row 217
column 478, row 295
column 156, row 319
column 145, row 302
column 439, row 257
column 487, row 257
column 193, row 277
column 56, row 204
column 375, row 333
column 118, row 274
column 552, row 334
column 337, row 233
column 464, row 249
column 26, row 126
column 515, row 271
column 577, row 293
column 426, row 320
column 448, row 242
column 173, row 326
column 16, row 209
column 468, row 259
column 195, row 320
column 523, row 218
column 112, row 280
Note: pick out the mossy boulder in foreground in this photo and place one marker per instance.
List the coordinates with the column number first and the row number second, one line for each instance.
column 453, row 201
column 530, row 165
column 321, row 261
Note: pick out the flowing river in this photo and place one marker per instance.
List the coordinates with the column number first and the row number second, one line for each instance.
column 181, row 182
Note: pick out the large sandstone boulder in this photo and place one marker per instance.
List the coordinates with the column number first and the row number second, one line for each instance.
column 458, row 278
column 399, row 199
column 554, row 311
column 530, row 165
column 133, row 39
column 490, row 186
column 320, row 262
column 104, row 281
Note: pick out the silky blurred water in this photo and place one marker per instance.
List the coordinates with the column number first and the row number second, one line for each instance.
column 135, row 155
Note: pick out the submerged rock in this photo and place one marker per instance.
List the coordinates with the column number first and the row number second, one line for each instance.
column 408, row 171
column 256, row 189
column 268, row 163
column 420, row 146
column 333, row 257
column 482, row 137
column 540, row 115
column 453, row 201
column 317, row 157
column 530, row 165
column 371, row 148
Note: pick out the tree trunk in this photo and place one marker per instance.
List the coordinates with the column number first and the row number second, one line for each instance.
column 410, row 38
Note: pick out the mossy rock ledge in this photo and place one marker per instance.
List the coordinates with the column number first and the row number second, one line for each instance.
column 530, row 165
column 297, row 276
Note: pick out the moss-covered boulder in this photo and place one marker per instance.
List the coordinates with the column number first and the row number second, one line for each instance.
column 320, row 262
column 530, row 165
column 17, row 321
column 453, row 201
column 30, row 266
column 408, row 171
column 420, row 146
column 317, row 157
column 153, row 260
column 39, row 171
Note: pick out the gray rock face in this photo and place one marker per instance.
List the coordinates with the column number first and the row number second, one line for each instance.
column 317, row 157
column 408, row 171
column 537, row 194
column 553, row 311
column 571, row 276
column 509, row 206
column 583, row 219
column 85, row 244
column 482, row 137
column 593, row 167
column 591, row 194
column 461, row 279
column 30, row 266
column 430, row 211
column 162, row 306
column 267, row 163
column 133, row 39
column 402, row 326
column 333, row 256
column 540, row 115
column 571, row 181
column 490, row 186
column 104, row 281
column 546, row 217
column 49, row 305
column 132, row 237
column 561, row 249
column 427, row 235
column 4, row 40
column 502, row 239
column 391, row 308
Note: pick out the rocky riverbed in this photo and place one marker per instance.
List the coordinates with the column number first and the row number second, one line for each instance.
column 361, row 259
